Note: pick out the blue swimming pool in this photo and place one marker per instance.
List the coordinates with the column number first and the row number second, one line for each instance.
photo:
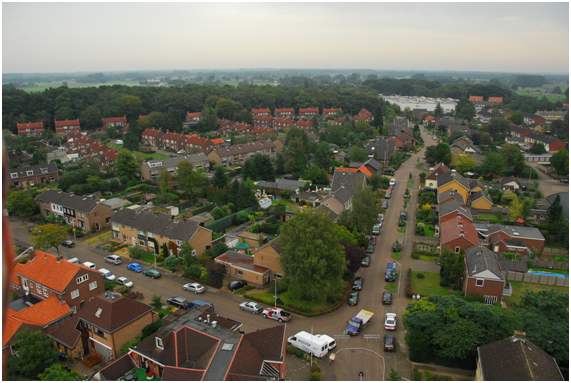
column 549, row 274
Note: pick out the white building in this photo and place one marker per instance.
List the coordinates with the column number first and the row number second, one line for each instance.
column 421, row 102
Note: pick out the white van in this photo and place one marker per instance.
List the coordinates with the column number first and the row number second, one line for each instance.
column 74, row 260
column 311, row 344
column 331, row 344
column 90, row 265
column 119, row 142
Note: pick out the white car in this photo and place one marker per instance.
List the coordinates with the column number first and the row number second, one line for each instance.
column 119, row 142
column 90, row 265
column 124, row 282
column 181, row 152
column 380, row 218
column 107, row 274
column 390, row 321
column 392, row 182
column 252, row 307
column 193, row 287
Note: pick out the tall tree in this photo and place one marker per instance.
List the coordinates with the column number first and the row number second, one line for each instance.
column 21, row 203
column 311, row 256
column 131, row 141
column 130, row 106
column 493, row 164
column 378, row 118
column 555, row 213
column 49, row 235
column 322, row 156
column 35, row 354
column 509, row 153
column 233, row 192
column 465, row 164
column 439, row 153
column 365, row 211
column 498, row 128
column 56, row 372
column 193, row 183
column 246, row 197
column 91, row 118
column 518, row 164
column 220, row 178
column 316, row 175
column 127, row 165
column 166, row 181
column 537, row 148
column 438, row 111
column 516, row 118
column 560, row 161
column 358, row 154
column 264, row 167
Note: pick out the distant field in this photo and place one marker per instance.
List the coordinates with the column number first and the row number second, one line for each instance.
column 41, row 86
column 550, row 97
column 235, row 83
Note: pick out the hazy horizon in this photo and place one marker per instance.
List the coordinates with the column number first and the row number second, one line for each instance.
column 456, row 37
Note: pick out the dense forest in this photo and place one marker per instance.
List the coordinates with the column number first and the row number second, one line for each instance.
column 90, row 104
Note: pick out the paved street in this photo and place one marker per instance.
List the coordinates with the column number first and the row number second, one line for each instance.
column 347, row 364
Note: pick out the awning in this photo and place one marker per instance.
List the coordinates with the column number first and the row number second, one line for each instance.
column 104, row 345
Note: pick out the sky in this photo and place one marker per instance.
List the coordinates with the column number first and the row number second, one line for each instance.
column 97, row 37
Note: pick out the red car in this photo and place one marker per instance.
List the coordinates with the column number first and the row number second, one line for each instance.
column 373, row 239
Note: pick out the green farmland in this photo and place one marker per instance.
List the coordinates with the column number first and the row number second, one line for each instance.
column 41, row 86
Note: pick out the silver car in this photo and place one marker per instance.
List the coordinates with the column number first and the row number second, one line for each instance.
column 193, row 287
column 252, row 307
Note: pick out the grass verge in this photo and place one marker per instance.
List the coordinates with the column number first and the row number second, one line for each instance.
column 397, row 255
column 428, row 232
column 268, row 298
column 429, row 285
column 402, row 229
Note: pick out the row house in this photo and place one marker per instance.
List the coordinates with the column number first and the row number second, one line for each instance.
column 260, row 132
column 330, row 111
column 519, row 131
column 552, row 144
column 152, row 231
column 495, row 100
column 282, row 123
column 401, row 139
column 263, row 122
column 108, row 159
column 152, row 170
column 308, row 112
column 63, row 127
column 174, row 141
column 552, row 115
column 115, row 121
column 224, row 124
column 194, row 143
column 239, row 127
column 193, row 118
column 30, row 129
column 76, row 211
column 261, row 113
column 152, row 137
column 458, row 233
column 452, row 181
column 485, row 117
column 284, row 113
column 532, row 119
column 237, row 154
column 305, row 125
column 363, row 118
column 25, row 176
column 476, row 98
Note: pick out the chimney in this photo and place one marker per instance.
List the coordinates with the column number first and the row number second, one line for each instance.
column 31, row 255
column 59, row 257
column 520, row 335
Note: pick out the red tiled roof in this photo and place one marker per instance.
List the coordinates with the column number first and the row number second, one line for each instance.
column 196, row 114
column 284, row 110
column 196, row 141
column 44, row 312
column 261, row 111
column 217, row 140
column 115, row 119
column 430, row 118
column 495, row 99
column 67, row 123
column 304, row 123
column 476, row 98
column 172, row 136
column 16, row 269
column 264, row 118
column 31, row 125
column 242, row 261
column 283, row 121
column 303, row 110
column 150, row 132
column 46, row 270
column 11, row 325
column 362, row 117
column 143, row 116
column 451, row 230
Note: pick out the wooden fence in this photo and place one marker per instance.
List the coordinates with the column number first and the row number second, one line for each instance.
column 549, row 264
column 551, row 250
column 536, row 278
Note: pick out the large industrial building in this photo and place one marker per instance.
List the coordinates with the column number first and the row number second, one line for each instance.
column 420, row 102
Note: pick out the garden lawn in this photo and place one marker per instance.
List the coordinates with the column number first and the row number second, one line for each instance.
column 140, row 155
column 520, row 287
column 429, row 285
column 268, row 298
column 285, row 202
column 486, row 216
column 397, row 255
column 426, row 258
column 402, row 229
column 428, row 232
column 147, row 257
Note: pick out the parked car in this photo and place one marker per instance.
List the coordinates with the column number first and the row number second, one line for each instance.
column 135, row 267
column 178, row 302
column 523, row 188
column 385, row 205
column 380, row 218
column 154, row 274
column 428, row 189
column 406, row 194
column 276, row 313
column 390, row 321
column 402, row 223
column 124, row 282
column 388, row 195
column 396, row 247
column 387, row 298
column 366, row 261
column 403, row 215
column 68, row 243
column 423, row 157
column 252, row 307
column 113, row 259
column 376, row 229
column 389, row 343
column 370, row 247
column 90, row 265
column 392, row 182
column 106, row 274
column 237, row 285
column 194, row 288
column 358, row 283
column 373, row 239
column 353, row 298
column 564, row 181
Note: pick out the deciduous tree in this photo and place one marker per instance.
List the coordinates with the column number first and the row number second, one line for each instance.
column 498, row 129
column 49, row 235
column 35, row 354
column 127, row 165
column 465, row 164
column 560, row 161
column 91, row 118
column 131, row 141
column 365, row 211
column 56, row 372
column 493, row 164
column 358, row 155
column 21, row 203
column 220, row 178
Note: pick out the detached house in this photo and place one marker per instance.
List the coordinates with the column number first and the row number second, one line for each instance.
column 476, row 98
column 453, row 181
column 25, row 176
column 435, row 172
column 63, row 127
column 76, row 211
column 174, row 141
column 193, row 118
column 238, row 154
column 284, row 113
column 383, row 147
column 483, row 275
column 30, row 129
column 244, row 266
column 115, row 121
column 338, row 201
column 458, row 233
column 496, row 100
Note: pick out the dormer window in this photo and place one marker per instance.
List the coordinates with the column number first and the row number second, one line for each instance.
column 159, row 343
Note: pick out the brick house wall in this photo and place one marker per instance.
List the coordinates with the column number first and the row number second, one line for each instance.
column 500, row 247
column 36, row 180
column 235, row 272
column 530, row 243
column 268, row 257
column 452, row 215
column 98, row 219
column 279, row 146
column 213, row 156
column 490, row 288
column 460, row 242
column 129, row 332
column 400, row 143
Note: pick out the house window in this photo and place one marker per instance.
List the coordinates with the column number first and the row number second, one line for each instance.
column 99, row 332
column 141, row 232
column 457, row 249
column 81, row 224
column 480, row 282
column 45, row 292
column 179, row 243
column 142, row 242
column 39, row 289
column 194, row 252
column 82, row 279
column 74, row 294
column 25, row 282
column 107, row 220
column 115, row 234
column 239, row 272
column 511, row 248
column 278, row 276
column 14, row 175
column 51, row 178
column 29, row 172
column 159, row 343
column 92, row 285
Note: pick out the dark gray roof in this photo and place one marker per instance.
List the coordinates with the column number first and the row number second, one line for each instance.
column 476, row 182
column 480, row 258
column 519, row 129
column 350, row 180
column 381, row 146
column 522, row 232
column 454, row 206
column 37, row 170
column 370, row 162
column 513, row 265
column 342, row 154
column 248, row 147
column 480, row 194
column 450, row 176
column 511, row 359
column 171, row 162
column 542, row 137
column 162, row 224
column 332, row 215
column 488, row 114
column 281, row 183
column 514, row 139
column 342, row 194
column 450, row 193
column 505, row 180
column 311, row 197
column 68, row 200
column 564, row 202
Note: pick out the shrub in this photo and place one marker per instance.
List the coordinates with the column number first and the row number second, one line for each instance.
column 162, row 315
column 416, row 374
column 443, row 283
column 334, row 298
column 156, row 299
column 172, row 261
column 124, row 180
column 150, row 329
column 299, row 353
column 458, row 293
column 125, row 348
column 316, row 376
column 415, row 256
column 475, row 298
column 315, row 368
column 420, row 275
column 291, row 350
column 136, row 252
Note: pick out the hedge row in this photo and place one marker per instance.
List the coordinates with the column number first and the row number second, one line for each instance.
column 408, row 290
column 223, row 223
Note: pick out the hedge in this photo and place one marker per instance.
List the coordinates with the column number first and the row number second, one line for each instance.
column 272, row 219
column 187, row 204
column 207, row 207
column 225, row 222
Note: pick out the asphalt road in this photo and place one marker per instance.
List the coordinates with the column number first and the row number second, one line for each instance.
column 347, row 364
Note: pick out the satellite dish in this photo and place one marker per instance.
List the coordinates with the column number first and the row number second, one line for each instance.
column 265, row 203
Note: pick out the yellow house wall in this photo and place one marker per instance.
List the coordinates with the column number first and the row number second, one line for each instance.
column 481, row 204
column 454, row 186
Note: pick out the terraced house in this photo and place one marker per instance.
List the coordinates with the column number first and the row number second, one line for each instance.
column 63, row 127
column 237, row 154
column 151, row 170
column 115, row 121
column 152, row 137
column 30, row 129
column 284, row 113
column 151, row 231
column 77, row 211
column 25, row 176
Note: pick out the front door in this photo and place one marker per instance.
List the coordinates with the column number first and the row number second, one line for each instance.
column 97, row 226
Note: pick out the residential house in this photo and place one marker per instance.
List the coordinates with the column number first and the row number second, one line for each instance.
column 25, row 176
column 238, row 127
column 373, row 166
column 194, row 117
column 263, row 122
column 365, row 112
column 313, row 137
column 531, row 236
column 269, row 256
column 30, row 129
column 261, row 133
column 284, row 113
column 61, row 155
column 341, row 156
column 418, row 113
column 330, row 213
column 308, row 112
column 466, row 145
column 498, row 244
column 280, row 184
column 481, row 201
column 63, row 127
column 361, row 169
column 282, row 123
column 261, row 113
column 45, row 276
column 237, row 154
column 77, row 211
column 152, row 169
column 402, row 141
column 552, row 115
column 515, row 141
column 476, row 98
column 114, row 121
column 519, row 131
column 453, row 210
column 224, row 124
column 552, row 144
column 338, row 201
column 244, row 266
column 435, row 172
column 383, row 147
column 516, row 358
column 12, row 326
column 453, row 181
column 304, row 125
column 496, row 100
column 448, row 196
column 198, row 144
column 363, row 118
column 280, row 143
column 200, row 345
column 476, row 185
column 103, row 326
column 460, row 128
column 483, row 275
column 532, row 119
column 351, row 181
column 176, row 141
column 485, row 117
column 151, row 231
column 327, row 111
column 542, row 128
column 508, row 183
column 458, row 233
